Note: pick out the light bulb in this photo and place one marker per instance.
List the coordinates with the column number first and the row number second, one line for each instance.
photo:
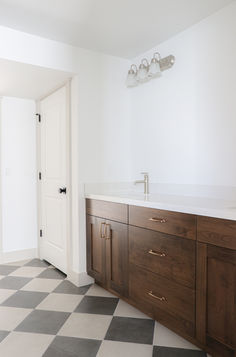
column 143, row 71
column 154, row 68
column 131, row 79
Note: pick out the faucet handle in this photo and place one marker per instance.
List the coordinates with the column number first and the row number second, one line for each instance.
column 144, row 173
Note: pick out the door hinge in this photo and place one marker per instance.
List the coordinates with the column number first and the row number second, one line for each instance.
column 39, row 117
column 40, row 176
column 41, row 233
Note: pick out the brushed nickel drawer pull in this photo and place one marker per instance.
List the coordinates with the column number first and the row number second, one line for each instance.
column 158, row 254
column 102, row 235
column 107, row 225
column 162, row 298
column 157, row 220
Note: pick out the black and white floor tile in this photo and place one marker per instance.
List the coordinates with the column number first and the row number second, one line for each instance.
column 43, row 314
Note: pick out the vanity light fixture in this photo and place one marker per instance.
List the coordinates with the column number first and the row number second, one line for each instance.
column 147, row 71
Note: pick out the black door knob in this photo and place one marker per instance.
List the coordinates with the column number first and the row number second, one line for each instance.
column 62, row 190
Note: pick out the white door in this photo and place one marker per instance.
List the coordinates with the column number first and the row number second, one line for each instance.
column 54, row 155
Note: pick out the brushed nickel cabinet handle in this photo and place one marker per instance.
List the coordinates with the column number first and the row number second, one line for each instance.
column 107, row 225
column 102, row 235
column 162, row 298
column 158, row 254
column 157, row 220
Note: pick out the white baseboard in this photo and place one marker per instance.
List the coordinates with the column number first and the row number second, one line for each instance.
column 18, row 255
column 79, row 279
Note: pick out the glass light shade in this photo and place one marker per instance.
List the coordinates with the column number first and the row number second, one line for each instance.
column 131, row 80
column 154, row 68
column 142, row 73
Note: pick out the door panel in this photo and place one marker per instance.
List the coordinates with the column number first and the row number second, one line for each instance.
column 54, row 156
column 116, row 237
column 221, row 296
column 216, row 299
column 95, row 248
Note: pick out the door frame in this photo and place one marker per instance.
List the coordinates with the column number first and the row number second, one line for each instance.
column 67, row 85
column 1, row 232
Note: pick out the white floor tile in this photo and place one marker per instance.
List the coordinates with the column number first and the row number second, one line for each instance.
column 126, row 310
column 19, row 263
column 10, row 317
column 165, row 337
column 96, row 290
column 27, row 272
column 25, row 344
column 60, row 302
column 86, row 326
column 5, row 294
column 123, row 349
column 42, row 285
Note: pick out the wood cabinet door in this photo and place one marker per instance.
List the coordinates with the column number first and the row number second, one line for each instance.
column 96, row 263
column 117, row 257
column 216, row 299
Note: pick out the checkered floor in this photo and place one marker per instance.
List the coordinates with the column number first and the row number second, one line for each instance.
column 43, row 314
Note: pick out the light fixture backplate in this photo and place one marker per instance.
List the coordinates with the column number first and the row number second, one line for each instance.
column 167, row 62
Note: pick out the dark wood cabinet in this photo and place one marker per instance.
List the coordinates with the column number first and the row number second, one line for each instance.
column 178, row 268
column 107, row 247
column 216, row 299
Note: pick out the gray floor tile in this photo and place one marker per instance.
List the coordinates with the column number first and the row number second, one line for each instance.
column 176, row 352
column 52, row 274
column 72, row 347
column 37, row 263
column 66, row 287
column 46, row 322
column 97, row 305
column 3, row 334
column 25, row 299
column 13, row 282
column 7, row 269
column 126, row 329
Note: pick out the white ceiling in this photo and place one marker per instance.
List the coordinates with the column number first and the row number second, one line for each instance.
column 27, row 81
column 122, row 28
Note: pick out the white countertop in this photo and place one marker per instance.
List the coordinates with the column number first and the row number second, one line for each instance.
column 203, row 206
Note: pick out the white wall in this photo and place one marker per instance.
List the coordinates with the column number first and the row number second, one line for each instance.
column 183, row 127
column 18, row 174
column 99, row 94
column 100, row 115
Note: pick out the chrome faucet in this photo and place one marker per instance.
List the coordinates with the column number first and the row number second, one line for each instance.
column 145, row 181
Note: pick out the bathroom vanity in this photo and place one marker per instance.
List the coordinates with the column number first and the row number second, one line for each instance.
column 178, row 268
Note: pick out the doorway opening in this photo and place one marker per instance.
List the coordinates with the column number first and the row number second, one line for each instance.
column 25, row 224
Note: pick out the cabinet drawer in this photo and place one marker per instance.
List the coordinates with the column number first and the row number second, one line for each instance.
column 169, row 256
column 179, row 224
column 108, row 210
column 176, row 301
column 221, row 232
